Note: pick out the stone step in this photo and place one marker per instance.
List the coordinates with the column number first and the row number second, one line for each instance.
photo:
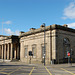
column 1, row 60
column 15, row 60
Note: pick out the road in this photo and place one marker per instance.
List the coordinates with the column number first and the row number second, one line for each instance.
column 33, row 69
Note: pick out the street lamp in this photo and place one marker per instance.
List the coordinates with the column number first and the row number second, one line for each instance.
column 44, row 42
column 71, row 56
column 4, row 41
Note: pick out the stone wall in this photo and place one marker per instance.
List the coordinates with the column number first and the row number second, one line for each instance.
column 38, row 40
column 9, row 47
column 60, row 44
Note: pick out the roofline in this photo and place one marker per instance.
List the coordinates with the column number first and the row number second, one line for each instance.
column 8, row 37
column 50, row 27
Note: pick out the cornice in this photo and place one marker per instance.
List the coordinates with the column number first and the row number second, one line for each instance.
column 50, row 27
column 8, row 37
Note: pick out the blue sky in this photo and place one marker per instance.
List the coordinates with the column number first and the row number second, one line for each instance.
column 21, row 15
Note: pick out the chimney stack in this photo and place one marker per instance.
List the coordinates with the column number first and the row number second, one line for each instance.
column 32, row 28
column 65, row 25
column 21, row 32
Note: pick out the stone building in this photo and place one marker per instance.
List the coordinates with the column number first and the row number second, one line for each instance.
column 58, row 41
column 9, row 47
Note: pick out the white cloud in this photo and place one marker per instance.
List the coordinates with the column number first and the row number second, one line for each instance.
column 9, row 32
column 7, row 22
column 69, row 11
column 16, row 32
column 71, row 25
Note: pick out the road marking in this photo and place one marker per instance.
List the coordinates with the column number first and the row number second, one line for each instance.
column 3, row 69
column 14, row 71
column 3, row 73
column 40, row 73
column 67, row 71
column 48, row 71
column 31, row 71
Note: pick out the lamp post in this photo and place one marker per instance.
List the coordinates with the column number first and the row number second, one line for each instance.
column 44, row 42
column 4, row 41
column 71, row 56
column 2, row 37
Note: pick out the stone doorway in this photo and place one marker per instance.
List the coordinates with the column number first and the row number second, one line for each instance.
column 14, row 51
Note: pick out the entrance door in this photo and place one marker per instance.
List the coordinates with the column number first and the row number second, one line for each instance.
column 13, row 52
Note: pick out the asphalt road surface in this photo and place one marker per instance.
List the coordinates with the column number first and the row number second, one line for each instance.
column 23, row 69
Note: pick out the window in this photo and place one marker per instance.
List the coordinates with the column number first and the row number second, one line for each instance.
column 34, row 50
column 42, row 51
column 66, row 41
column 26, row 51
column 66, row 44
column 43, row 48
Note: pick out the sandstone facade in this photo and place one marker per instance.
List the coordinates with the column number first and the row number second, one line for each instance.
column 9, row 47
column 59, row 40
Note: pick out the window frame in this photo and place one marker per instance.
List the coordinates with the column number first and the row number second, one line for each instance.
column 26, row 51
column 34, row 50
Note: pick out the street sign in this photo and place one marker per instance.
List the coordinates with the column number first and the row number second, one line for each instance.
column 68, row 54
column 30, row 53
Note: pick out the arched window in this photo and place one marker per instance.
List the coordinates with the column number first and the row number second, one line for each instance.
column 66, row 41
column 66, row 47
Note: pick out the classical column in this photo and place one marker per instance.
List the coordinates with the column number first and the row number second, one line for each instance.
column 15, row 53
column 2, row 52
column 8, row 51
column 11, row 51
column 5, row 51
column 18, row 53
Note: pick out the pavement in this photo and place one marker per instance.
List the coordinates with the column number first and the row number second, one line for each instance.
column 20, row 68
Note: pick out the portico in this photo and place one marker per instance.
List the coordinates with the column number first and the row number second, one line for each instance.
column 9, row 48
